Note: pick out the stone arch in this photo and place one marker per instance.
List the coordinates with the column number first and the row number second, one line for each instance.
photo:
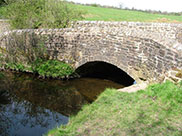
column 105, row 70
column 121, row 54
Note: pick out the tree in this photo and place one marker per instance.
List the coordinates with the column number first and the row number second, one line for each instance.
column 121, row 5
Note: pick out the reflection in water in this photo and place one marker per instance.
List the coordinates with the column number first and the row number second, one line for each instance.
column 32, row 106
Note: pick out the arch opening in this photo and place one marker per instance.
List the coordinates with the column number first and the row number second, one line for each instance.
column 104, row 70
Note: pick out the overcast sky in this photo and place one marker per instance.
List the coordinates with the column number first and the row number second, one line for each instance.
column 162, row 5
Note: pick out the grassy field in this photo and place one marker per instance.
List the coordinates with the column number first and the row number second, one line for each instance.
column 155, row 111
column 108, row 14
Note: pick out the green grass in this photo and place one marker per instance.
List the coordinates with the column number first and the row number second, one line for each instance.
column 155, row 111
column 93, row 13
column 2, row 11
column 109, row 14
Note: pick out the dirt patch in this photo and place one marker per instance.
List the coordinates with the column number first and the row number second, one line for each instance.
column 165, row 20
column 90, row 16
column 134, row 88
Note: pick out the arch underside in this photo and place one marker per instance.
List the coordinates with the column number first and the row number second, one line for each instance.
column 118, row 63
column 104, row 70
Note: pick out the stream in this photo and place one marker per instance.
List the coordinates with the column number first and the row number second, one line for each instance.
column 30, row 106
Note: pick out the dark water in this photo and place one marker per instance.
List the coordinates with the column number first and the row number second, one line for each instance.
column 30, row 106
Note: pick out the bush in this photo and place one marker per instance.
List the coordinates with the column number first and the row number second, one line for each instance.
column 41, row 14
column 95, row 5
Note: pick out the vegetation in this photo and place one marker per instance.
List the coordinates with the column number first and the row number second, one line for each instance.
column 59, row 14
column 45, row 68
column 40, row 14
column 1, row 75
column 134, row 9
column 110, row 14
column 179, row 73
column 2, row 10
column 52, row 68
column 155, row 111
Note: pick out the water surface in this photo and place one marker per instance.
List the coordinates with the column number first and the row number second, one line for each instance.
column 30, row 106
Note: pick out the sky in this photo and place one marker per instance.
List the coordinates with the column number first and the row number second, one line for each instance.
column 162, row 5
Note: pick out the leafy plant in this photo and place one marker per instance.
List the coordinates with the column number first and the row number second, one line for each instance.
column 15, row 66
column 52, row 68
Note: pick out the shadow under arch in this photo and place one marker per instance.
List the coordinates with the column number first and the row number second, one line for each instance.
column 104, row 70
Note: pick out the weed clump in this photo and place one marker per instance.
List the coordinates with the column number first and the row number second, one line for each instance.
column 53, row 68
column 179, row 74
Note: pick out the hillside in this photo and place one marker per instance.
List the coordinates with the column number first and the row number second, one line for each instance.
column 92, row 13
column 108, row 14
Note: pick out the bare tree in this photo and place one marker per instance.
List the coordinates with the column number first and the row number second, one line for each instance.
column 121, row 5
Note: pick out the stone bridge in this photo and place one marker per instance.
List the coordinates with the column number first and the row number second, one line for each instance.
column 145, row 51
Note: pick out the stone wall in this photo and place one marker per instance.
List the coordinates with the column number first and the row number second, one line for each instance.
column 4, row 26
column 143, row 50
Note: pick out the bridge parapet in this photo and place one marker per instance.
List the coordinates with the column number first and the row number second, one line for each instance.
column 167, row 34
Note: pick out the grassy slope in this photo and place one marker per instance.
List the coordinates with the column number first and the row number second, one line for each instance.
column 108, row 14
column 157, row 111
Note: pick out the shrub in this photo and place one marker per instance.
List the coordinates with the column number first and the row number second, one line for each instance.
column 41, row 14
column 95, row 5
